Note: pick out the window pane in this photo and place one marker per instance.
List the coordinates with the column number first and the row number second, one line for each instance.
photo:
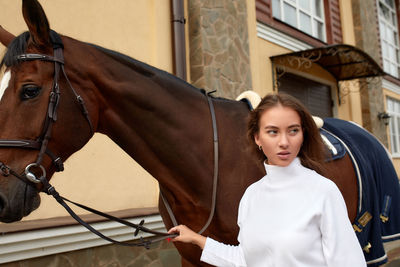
column 305, row 4
column 384, row 12
column 390, row 105
column 389, row 35
column 396, row 107
column 394, row 20
column 305, row 23
column 390, row 3
column 302, row 14
column 393, row 107
column 384, row 49
column 276, row 9
column 290, row 14
column 320, row 30
column 393, row 137
column 397, row 55
column 393, row 70
column 381, row 29
column 318, row 8
column 392, row 52
column 397, row 136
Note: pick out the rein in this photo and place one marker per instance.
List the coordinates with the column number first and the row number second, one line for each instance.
column 41, row 144
column 215, row 178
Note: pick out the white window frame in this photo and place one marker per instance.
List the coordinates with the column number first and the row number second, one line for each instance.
column 312, row 13
column 391, row 64
column 394, row 125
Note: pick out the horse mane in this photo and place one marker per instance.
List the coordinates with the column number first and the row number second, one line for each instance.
column 150, row 71
column 143, row 68
column 17, row 47
column 19, row 44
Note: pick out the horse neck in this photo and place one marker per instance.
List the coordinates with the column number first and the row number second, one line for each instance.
column 160, row 121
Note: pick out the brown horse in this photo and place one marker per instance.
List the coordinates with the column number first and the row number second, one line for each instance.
column 162, row 122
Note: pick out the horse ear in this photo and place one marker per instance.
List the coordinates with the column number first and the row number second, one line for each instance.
column 36, row 21
column 5, row 37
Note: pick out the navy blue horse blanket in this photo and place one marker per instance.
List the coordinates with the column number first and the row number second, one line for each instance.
column 378, row 217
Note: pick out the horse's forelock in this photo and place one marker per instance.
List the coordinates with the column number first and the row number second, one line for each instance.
column 16, row 47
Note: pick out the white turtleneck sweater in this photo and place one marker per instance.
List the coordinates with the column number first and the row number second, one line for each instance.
column 292, row 217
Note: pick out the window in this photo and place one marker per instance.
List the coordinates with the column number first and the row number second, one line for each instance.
column 305, row 15
column 393, row 108
column 389, row 37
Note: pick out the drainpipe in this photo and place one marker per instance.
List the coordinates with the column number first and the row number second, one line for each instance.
column 178, row 20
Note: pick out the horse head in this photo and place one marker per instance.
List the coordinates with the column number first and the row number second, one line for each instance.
column 32, row 111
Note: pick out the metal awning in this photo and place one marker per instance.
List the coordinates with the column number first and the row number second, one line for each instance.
column 344, row 62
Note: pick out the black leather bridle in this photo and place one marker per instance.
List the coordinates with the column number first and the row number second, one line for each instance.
column 41, row 144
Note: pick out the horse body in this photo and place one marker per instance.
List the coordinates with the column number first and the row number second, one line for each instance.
column 165, row 125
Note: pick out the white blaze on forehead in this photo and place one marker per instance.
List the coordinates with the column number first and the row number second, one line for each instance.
column 4, row 83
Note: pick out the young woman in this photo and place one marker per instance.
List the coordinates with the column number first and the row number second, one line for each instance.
column 293, row 216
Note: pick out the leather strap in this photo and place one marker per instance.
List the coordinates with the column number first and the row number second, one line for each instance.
column 215, row 178
column 29, row 144
column 50, row 190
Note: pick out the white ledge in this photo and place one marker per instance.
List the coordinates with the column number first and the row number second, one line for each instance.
column 279, row 38
column 391, row 86
column 37, row 243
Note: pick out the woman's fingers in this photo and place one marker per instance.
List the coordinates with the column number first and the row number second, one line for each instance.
column 175, row 229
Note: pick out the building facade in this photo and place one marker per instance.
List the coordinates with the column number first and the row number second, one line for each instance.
column 341, row 58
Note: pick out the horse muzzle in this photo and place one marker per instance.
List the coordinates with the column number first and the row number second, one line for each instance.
column 17, row 200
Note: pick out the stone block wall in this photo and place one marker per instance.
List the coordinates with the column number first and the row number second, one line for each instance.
column 219, row 49
column 366, row 29
column 162, row 254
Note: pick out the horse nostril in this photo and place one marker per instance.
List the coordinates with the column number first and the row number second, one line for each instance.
column 3, row 204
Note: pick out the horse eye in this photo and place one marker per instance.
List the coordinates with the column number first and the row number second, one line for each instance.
column 29, row 92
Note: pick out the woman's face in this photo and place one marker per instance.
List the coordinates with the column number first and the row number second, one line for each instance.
column 280, row 135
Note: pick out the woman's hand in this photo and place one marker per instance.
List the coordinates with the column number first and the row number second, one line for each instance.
column 186, row 235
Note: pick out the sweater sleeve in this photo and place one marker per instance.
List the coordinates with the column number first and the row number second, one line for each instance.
column 339, row 242
column 219, row 254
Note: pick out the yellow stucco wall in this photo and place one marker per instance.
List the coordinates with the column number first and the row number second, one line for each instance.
column 140, row 29
column 353, row 100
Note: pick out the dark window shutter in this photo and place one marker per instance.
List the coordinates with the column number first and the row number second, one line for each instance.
column 264, row 11
column 333, row 23
column 314, row 95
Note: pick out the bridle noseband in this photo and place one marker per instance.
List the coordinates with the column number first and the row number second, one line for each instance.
column 41, row 144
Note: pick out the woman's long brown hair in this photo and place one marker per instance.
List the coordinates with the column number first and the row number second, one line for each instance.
column 312, row 152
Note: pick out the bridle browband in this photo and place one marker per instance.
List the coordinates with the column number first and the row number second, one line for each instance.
column 41, row 144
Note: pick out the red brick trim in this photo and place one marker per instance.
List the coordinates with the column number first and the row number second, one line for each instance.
column 392, row 79
column 333, row 22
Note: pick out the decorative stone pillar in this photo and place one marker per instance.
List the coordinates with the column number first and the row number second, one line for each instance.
column 219, row 49
column 366, row 29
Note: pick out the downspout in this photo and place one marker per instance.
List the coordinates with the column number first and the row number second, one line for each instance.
column 178, row 20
